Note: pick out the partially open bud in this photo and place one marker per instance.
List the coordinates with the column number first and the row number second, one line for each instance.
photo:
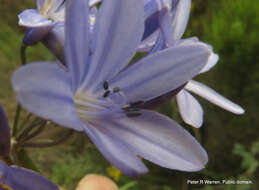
column 96, row 182
column 4, row 134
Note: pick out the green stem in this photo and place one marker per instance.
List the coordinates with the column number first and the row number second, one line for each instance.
column 48, row 144
column 16, row 119
column 18, row 109
column 25, row 121
column 23, row 54
column 128, row 185
column 34, row 123
column 36, row 132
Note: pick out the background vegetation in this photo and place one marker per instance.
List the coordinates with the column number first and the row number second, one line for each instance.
column 232, row 141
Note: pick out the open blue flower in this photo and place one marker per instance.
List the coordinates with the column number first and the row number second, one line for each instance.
column 23, row 179
column 46, row 24
column 172, row 23
column 100, row 93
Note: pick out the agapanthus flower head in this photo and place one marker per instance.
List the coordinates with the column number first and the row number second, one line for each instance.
column 46, row 24
column 4, row 134
column 18, row 178
column 101, row 94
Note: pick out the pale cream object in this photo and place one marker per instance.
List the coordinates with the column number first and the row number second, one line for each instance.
column 96, row 182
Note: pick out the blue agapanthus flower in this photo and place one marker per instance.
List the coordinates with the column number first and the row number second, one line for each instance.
column 18, row 178
column 100, row 93
column 46, row 24
column 172, row 20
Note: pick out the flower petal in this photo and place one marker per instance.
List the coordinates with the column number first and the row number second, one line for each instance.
column 117, row 35
column 117, row 152
column 190, row 109
column 212, row 96
column 171, row 67
column 213, row 58
column 212, row 61
column 38, row 26
column 77, row 37
column 152, row 8
column 34, row 35
column 55, row 6
column 23, row 179
column 55, row 41
column 45, row 89
column 158, row 139
column 180, row 17
column 147, row 44
column 30, row 18
column 40, row 3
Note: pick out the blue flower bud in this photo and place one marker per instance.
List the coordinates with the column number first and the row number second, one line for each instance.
column 4, row 134
column 22, row 179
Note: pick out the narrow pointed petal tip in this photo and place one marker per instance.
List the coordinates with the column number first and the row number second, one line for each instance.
column 214, row 97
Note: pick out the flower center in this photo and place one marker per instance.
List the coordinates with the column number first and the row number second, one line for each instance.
column 52, row 11
column 46, row 8
column 111, row 104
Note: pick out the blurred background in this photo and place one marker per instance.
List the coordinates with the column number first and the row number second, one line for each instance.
column 232, row 142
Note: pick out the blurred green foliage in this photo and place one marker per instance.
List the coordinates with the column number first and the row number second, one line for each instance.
column 231, row 27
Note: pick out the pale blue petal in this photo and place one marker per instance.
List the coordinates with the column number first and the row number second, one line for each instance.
column 38, row 26
column 212, row 61
column 45, row 89
column 158, row 139
column 213, row 58
column 77, row 37
column 30, row 18
column 40, row 4
column 152, row 8
column 36, row 34
column 165, row 19
column 23, row 179
column 118, row 32
column 190, row 109
column 180, row 18
column 116, row 151
column 212, row 96
column 59, row 14
column 55, row 41
column 147, row 44
column 56, row 6
column 161, row 72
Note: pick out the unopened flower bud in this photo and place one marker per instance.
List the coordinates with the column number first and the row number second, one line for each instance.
column 4, row 134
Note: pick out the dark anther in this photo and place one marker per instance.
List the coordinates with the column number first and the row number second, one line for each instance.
column 133, row 114
column 106, row 93
column 106, row 85
column 135, row 104
column 129, row 109
column 116, row 89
